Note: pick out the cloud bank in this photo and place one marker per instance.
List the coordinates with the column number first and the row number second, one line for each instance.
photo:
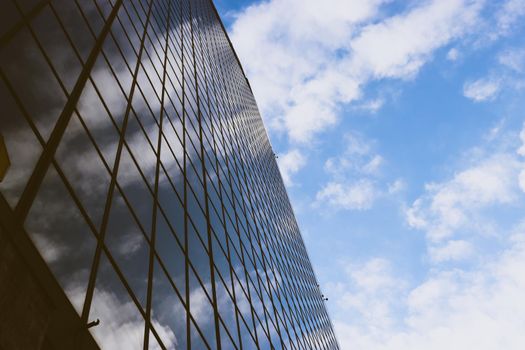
column 307, row 59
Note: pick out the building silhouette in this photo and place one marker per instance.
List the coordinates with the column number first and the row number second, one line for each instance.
column 140, row 201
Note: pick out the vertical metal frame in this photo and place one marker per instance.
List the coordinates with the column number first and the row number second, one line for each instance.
column 216, row 101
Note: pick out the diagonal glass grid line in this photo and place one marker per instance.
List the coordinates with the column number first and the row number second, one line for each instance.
column 27, row 17
column 130, row 209
column 185, row 194
column 223, row 213
column 85, row 215
column 220, row 191
column 148, row 323
column 105, row 219
column 264, row 268
column 204, row 169
column 237, row 232
column 44, row 161
column 207, row 211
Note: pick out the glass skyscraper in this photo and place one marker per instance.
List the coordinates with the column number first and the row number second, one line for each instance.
column 140, row 201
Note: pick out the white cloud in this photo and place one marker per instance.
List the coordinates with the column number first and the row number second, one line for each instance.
column 481, row 89
column 521, row 150
column 513, row 59
column 397, row 186
column 452, row 54
column 451, row 205
column 469, row 305
column 130, row 242
column 200, row 306
column 522, row 180
column 495, row 131
column 284, row 46
column 372, row 106
column 454, row 309
column 121, row 325
column 400, row 45
column 51, row 250
column 359, row 195
column 356, row 176
column 365, row 293
column 372, row 167
column 289, row 164
column 458, row 206
column 357, row 157
column 509, row 14
column 373, row 275
column 357, row 144
column 353, row 175
column 306, row 59
column 507, row 74
column 452, row 250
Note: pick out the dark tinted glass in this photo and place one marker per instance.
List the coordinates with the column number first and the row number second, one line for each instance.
column 139, row 166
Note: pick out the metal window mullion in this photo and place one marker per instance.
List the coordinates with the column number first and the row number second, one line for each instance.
column 26, row 18
column 69, row 188
column 264, row 306
column 206, row 199
column 256, row 258
column 181, row 299
column 297, row 268
column 185, row 194
column 47, row 155
column 148, row 324
column 238, row 234
column 234, row 128
column 89, row 222
column 106, row 59
column 268, row 292
column 105, row 218
column 233, row 204
column 270, row 287
column 302, row 302
column 251, row 206
column 126, row 35
column 229, row 105
column 43, row 52
column 231, row 270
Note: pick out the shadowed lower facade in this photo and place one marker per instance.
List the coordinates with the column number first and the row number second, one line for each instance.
column 141, row 206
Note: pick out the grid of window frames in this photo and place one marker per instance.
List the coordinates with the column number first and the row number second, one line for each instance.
column 142, row 172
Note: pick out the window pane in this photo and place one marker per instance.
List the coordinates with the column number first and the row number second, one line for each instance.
column 62, row 236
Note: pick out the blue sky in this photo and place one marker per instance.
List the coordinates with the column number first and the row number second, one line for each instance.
column 400, row 132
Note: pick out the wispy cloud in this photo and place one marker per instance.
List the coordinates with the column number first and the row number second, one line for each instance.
column 453, row 54
column 470, row 296
column 289, row 164
column 482, row 89
column 513, row 59
column 508, row 15
column 452, row 205
column 353, row 173
column 358, row 195
column 521, row 149
column 451, row 250
column 377, row 309
column 306, row 60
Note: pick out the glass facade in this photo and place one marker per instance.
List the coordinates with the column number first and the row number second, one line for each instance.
column 138, row 164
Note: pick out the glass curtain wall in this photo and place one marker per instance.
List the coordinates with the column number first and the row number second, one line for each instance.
column 138, row 164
